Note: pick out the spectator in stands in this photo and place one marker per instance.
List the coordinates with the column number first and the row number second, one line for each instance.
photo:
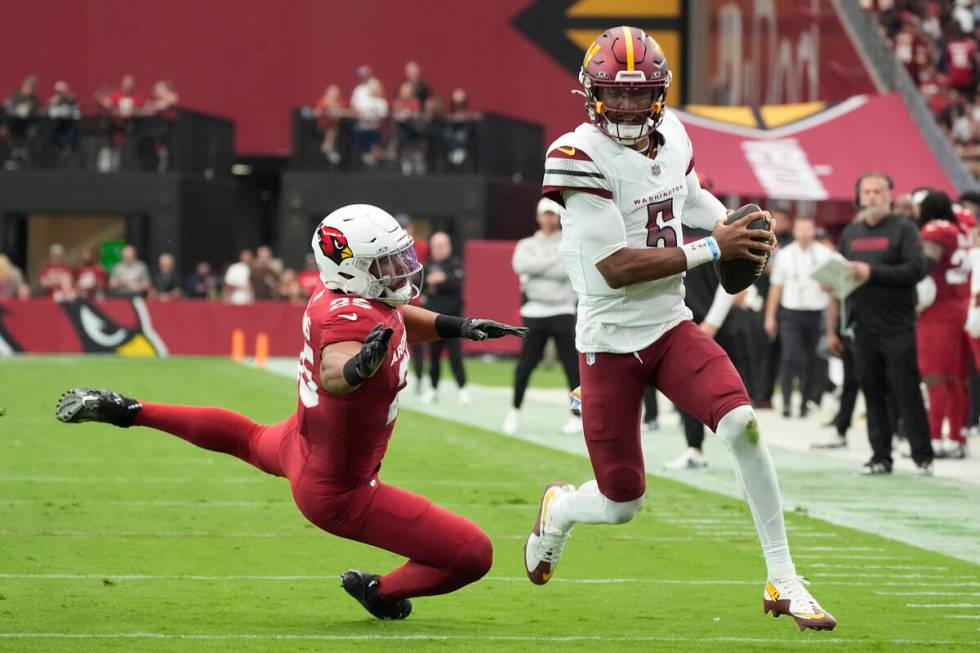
column 12, row 284
column 24, row 102
column 309, row 278
column 885, row 253
column 406, row 111
column 91, row 277
column 960, row 60
column 21, row 107
column 800, row 302
column 203, row 284
column 56, row 278
column 443, row 288
column 163, row 100
column 371, row 108
column 413, row 76
column 237, row 287
column 289, row 288
column 64, row 111
column 123, row 101
column 547, row 309
column 912, row 51
column 457, row 130
column 265, row 275
column 166, row 283
column 328, row 111
column 129, row 277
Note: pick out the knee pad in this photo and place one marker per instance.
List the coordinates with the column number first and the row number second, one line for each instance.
column 476, row 559
column 739, row 423
column 622, row 482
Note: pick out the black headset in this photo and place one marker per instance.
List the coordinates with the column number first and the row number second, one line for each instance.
column 857, row 186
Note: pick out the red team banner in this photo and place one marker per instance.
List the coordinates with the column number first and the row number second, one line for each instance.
column 134, row 327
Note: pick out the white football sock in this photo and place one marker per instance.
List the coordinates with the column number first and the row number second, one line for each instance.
column 739, row 430
column 588, row 506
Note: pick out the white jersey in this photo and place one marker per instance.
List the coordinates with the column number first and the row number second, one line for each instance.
column 650, row 195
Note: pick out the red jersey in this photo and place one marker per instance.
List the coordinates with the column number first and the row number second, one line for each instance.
column 960, row 53
column 52, row 275
column 90, row 277
column 348, row 435
column 124, row 104
column 950, row 274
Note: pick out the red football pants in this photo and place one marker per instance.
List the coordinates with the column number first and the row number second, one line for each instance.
column 445, row 551
column 686, row 365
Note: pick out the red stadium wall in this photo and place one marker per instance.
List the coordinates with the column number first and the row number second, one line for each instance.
column 253, row 60
column 121, row 326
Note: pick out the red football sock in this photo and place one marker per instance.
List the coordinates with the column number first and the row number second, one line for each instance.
column 938, row 407
column 957, row 406
column 220, row 430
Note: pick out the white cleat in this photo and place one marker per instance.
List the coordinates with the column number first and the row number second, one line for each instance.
column 790, row 596
column 690, row 459
column 573, row 426
column 428, row 396
column 545, row 543
column 464, row 397
column 511, row 422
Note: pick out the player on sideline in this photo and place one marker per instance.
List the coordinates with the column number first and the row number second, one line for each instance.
column 331, row 448
column 627, row 180
column 944, row 301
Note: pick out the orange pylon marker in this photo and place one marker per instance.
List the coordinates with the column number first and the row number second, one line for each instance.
column 261, row 349
column 238, row 345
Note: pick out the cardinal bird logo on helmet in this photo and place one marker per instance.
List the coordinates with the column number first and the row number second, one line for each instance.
column 334, row 244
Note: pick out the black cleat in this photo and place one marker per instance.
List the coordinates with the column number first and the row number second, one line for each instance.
column 364, row 587
column 91, row 405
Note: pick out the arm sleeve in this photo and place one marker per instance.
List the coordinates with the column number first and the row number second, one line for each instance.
column 974, row 270
column 720, row 306
column 913, row 266
column 594, row 224
column 701, row 209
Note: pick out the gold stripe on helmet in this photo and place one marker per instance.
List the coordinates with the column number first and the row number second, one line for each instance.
column 628, row 34
column 590, row 53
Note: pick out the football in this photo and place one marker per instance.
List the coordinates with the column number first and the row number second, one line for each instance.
column 738, row 274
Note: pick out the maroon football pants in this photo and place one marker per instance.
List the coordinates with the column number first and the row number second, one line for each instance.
column 445, row 551
column 685, row 364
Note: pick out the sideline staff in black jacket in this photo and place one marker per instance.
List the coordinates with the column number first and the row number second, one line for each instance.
column 886, row 252
column 443, row 289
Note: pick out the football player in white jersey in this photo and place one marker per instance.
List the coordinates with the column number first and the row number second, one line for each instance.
column 626, row 178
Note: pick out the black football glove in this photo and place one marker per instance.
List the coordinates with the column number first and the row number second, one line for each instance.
column 475, row 328
column 366, row 362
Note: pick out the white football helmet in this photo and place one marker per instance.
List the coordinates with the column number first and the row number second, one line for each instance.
column 362, row 250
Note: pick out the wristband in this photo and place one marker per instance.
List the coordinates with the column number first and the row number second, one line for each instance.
column 351, row 375
column 701, row 251
column 449, row 326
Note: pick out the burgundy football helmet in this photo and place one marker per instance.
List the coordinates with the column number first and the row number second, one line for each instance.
column 625, row 76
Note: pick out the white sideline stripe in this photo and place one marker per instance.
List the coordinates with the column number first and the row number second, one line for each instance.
column 309, row 533
column 461, row 638
column 455, row 638
column 942, row 605
column 505, row 579
column 895, row 576
column 824, row 565
column 927, row 593
column 963, row 616
column 838, row 548
column 830, row 556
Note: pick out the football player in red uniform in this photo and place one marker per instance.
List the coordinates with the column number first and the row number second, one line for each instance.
column 944, row 299
column 357, row 331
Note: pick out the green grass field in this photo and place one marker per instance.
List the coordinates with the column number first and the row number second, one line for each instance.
column 133, row 540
